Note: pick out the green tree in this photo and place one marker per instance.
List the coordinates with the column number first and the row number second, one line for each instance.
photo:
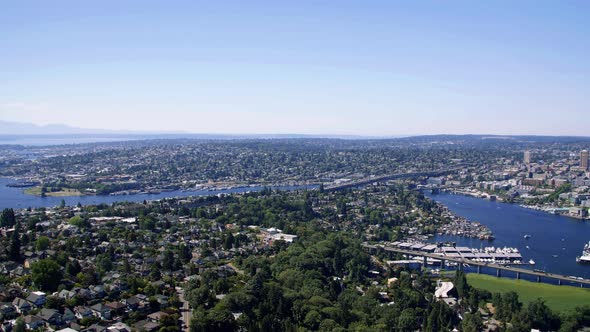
column 7, row 218
column 14, row 248
column 54, row 302
column 42, row 243
column 541, row 316
column 408, row 320
column 19, row 326
column 168, row 261
column 471, row 323
column 104, row 262
column 461, row 284
column 184, row 253
column 79, row 222
column 73, row 268
column 46, row 275
column 229, row 241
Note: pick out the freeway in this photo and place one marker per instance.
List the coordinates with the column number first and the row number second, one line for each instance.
column 461, row 261
column 396, row 176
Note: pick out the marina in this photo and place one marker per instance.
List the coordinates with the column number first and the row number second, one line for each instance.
column 481, row 267
column 502, row 256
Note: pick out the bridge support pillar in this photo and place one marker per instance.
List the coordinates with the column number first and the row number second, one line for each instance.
column 498, row 273
column 538, row 278
column 425, row 262
column 442, row 264
column 478, row 269
column 517, row 275
column 559, row 282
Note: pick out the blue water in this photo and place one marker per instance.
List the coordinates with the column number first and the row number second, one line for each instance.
column 15, row 198
column 550, row 234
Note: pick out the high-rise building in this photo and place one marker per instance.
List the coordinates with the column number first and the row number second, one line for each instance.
column 584, row 159
column 527, row 157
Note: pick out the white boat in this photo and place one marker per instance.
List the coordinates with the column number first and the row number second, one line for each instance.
column 532, row 262
column 585, row 258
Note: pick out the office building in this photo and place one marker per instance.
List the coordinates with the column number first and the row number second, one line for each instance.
column 584, row 159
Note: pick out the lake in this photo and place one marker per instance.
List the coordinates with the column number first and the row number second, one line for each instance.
column 554, row 243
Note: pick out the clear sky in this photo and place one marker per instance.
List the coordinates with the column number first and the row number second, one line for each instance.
column 309, row 67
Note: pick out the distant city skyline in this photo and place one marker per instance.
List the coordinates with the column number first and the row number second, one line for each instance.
column 376, row 68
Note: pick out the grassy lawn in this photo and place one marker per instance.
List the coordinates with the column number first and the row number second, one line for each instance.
column 558, row 298
column 64, row 192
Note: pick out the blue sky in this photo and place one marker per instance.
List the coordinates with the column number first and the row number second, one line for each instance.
column 310, row 67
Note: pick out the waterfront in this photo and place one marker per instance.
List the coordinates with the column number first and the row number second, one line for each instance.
column 17, row 199
column 554, row 243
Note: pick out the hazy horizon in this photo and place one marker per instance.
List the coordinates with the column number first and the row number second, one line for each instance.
column 372, row 69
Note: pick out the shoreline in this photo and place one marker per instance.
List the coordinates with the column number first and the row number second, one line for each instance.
column 480, row 195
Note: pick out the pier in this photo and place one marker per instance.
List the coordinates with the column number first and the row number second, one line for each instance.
column 461, row 261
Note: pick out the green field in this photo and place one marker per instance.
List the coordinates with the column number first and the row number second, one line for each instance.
column 61, row 193
column 558, row 298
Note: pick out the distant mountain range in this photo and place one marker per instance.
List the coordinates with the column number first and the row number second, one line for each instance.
column 8, row 128
column 18, row 129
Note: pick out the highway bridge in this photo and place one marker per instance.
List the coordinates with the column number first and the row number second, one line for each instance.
column 369, row 180
column 479, row 265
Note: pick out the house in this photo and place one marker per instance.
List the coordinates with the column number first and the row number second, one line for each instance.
column 132, row 303
column 116, row 307
column 98, row 292
column 33, row 322
column 51, row 316
column 18, row 272
column 66, row 330
column 95, row 328
column 22, row 306
column 69, row 316
column 146, row 325
column 66, row 294
column 6, row 326
column 158, row 284
column 156, row 317
column 101, row 311
column 162, row 300
column 7, row 309
column 82, row 312
column 119, row 327
column 37, row 298
column 84, row 293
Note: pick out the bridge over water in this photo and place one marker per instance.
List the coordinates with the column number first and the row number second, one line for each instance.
column 479, row 265
column 369, row 180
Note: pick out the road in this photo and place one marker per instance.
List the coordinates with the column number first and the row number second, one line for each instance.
column 185, row 311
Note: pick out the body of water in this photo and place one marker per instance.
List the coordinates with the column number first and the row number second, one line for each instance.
column 554, row 243
column 17, row 199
